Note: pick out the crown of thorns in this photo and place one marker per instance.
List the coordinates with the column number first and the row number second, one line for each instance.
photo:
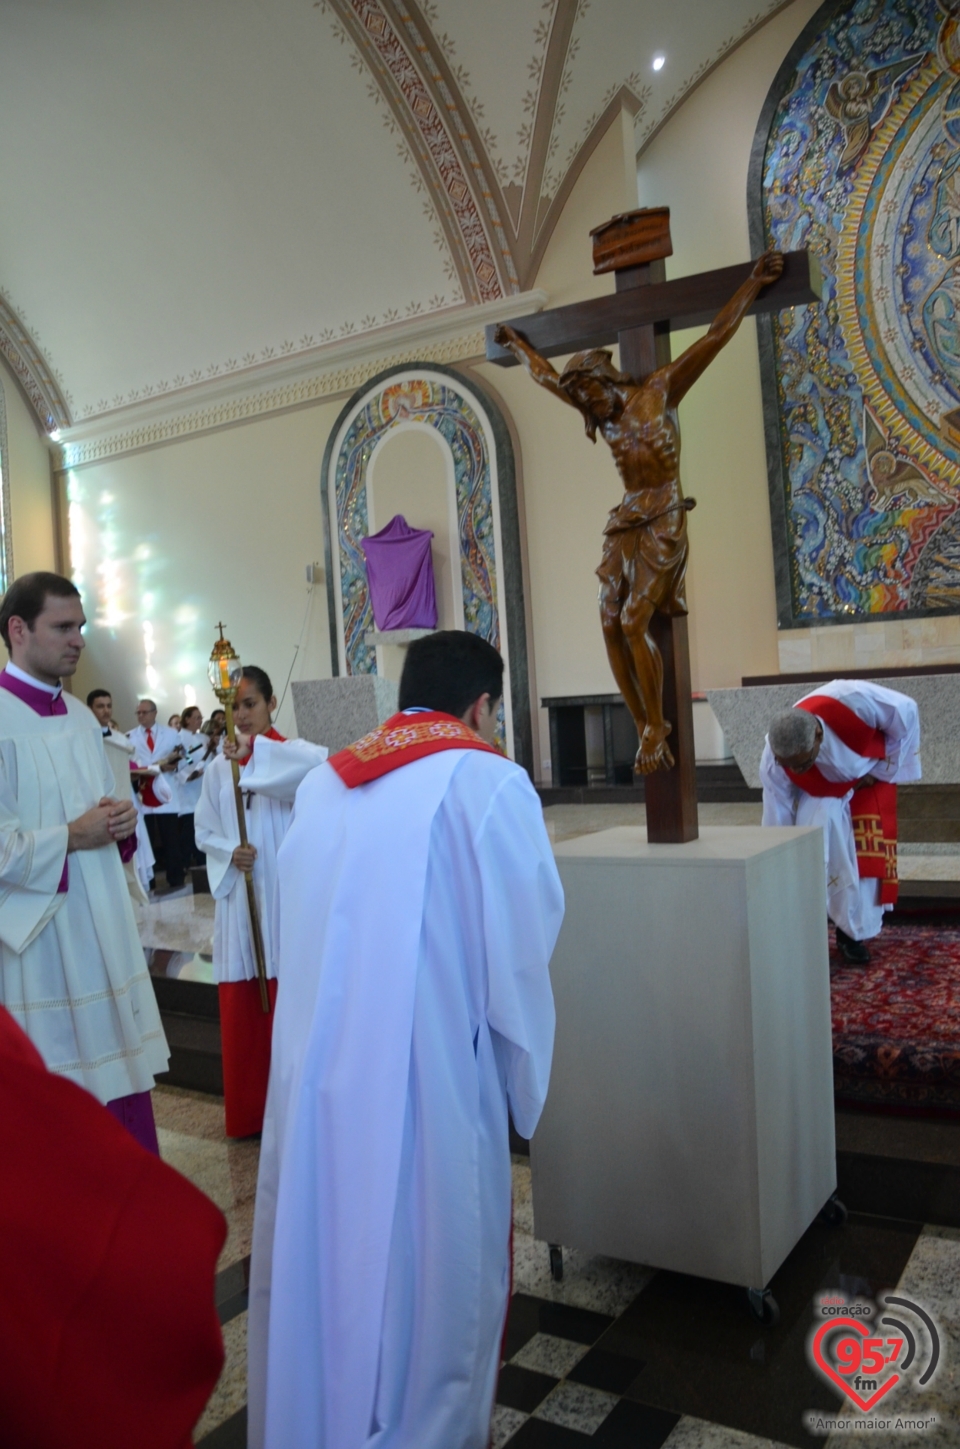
column 594, row 366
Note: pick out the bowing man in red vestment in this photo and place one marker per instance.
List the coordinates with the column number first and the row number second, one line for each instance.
column 835, row 760
column 109, row 1337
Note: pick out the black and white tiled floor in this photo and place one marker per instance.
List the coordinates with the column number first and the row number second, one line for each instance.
column 616, row 1356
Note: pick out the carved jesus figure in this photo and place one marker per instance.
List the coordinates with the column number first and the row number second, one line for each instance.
column 644, row 560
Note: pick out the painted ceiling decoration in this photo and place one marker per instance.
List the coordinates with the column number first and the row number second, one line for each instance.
column 859, row 159
column 232, row 199
column 32, row 371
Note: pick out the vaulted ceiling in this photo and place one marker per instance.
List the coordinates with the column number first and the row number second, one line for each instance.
column 193, row 189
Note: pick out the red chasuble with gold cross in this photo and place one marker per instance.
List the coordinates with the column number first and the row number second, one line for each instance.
column 873, row 808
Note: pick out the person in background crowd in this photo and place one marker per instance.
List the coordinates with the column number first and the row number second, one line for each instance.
column 215, row 731
column 119, row 751
column 174, row 722
column 109, row 1337
column 245, row 1027
column 72, row 972
column 190, row 780
column 160, row 745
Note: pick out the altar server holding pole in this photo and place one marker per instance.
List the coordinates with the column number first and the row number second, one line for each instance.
column 835, row 760
column 241, row 850
column 419, row 905
column 72, row 970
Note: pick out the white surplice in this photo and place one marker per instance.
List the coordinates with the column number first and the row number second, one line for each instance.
column 194, row 751
column 853, row 904
column 72, row 970
column 418, row 914
column 267, row 816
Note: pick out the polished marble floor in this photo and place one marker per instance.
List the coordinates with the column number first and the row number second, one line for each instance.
column 616, row 1355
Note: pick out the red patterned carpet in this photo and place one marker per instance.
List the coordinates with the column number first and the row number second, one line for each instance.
column 896, row 1022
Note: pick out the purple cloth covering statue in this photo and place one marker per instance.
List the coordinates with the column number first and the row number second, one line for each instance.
column 400, row 575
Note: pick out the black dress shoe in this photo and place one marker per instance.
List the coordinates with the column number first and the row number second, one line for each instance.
column 853, row 952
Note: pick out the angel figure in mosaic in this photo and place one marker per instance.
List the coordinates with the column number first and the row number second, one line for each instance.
column 858, row 103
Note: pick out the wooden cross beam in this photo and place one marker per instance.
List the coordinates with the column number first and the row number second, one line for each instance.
column 665, row 306
column 640, row 316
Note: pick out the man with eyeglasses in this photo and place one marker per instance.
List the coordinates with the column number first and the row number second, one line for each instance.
column 159, row 745
column 835, row 760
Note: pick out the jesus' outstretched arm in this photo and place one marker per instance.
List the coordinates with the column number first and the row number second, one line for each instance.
column 684, row 372
column 538, row 367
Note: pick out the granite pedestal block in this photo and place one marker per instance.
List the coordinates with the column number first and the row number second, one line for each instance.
column 335, row 712
column 689, row 1123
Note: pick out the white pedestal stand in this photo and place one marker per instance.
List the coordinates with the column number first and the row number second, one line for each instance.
column 689, row 1123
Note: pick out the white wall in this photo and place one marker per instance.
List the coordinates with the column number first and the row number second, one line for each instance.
column 176, row 538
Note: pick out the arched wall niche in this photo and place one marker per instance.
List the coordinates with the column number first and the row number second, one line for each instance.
column 473, row 502
column 412, row 467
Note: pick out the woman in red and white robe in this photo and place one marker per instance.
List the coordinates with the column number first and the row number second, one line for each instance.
column 245, row 1028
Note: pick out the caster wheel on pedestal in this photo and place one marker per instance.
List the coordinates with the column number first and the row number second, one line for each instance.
column 833, row 1212
column 556, row 1262
column 764, row 1306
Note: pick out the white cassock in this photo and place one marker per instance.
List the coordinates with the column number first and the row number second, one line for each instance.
column 853, row 904
column 194, row 748
column 218, row 835
column 119, row 751
column 72, row 970
column 418, row 914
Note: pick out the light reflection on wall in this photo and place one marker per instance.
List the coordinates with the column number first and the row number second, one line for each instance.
column 125, row 582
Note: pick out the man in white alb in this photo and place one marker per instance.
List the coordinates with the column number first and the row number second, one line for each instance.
column 72, row 970
column 835, row 760
column 419, row 906
column 158, row 744
column 119, row 751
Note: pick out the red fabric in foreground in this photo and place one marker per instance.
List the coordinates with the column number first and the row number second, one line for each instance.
column 896, row 1022
column 246, row 1033
column 399, row 741
column 109, row 1337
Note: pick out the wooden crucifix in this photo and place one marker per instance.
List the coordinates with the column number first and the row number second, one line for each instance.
column 642, row 599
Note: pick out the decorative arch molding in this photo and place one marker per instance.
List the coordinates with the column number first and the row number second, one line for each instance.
column 32, row 371
column 481, row 478
column 6, row 536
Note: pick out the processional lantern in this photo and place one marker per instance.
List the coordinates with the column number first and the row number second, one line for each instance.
column 225, row 672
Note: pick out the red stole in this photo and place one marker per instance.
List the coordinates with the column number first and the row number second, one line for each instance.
column 401, row 740
column 873, row 808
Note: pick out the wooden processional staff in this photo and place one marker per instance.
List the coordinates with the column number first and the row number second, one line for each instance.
column 224, row 672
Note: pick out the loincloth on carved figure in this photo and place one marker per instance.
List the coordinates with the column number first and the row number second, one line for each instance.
column 646, row 557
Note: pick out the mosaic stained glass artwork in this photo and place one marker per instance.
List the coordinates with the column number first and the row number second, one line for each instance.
column 862, row 165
